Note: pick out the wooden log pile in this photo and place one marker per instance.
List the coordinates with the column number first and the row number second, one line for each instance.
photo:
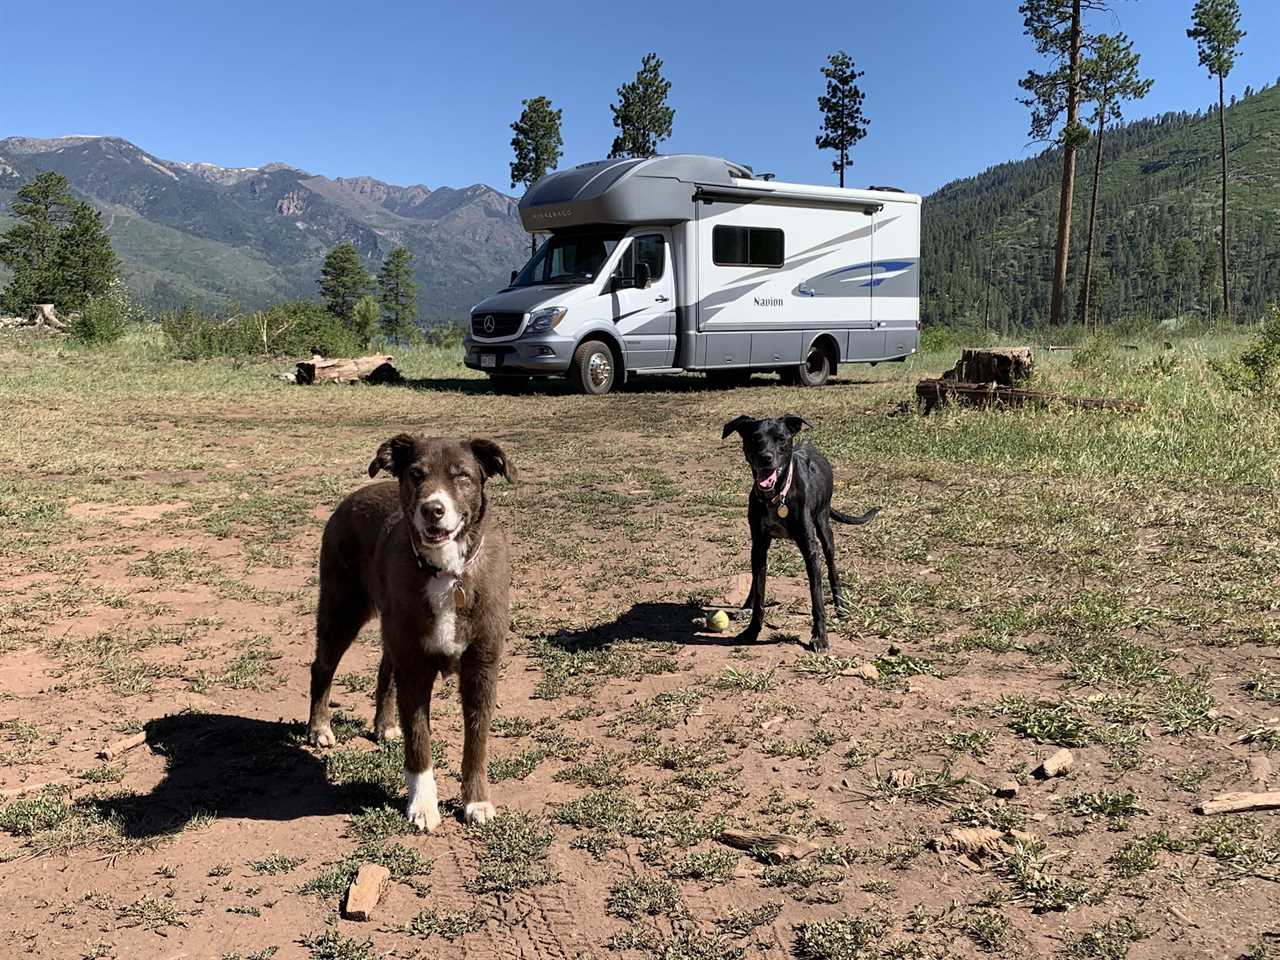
column 985, row 377
column 43, row 316
column 372, row 369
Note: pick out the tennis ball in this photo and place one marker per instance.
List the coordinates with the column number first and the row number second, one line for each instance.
column 718, row 622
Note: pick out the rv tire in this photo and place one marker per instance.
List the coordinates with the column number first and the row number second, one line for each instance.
column 815, row 371
column 595, row 368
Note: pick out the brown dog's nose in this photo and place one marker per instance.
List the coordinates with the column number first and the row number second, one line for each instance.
column 433, row 509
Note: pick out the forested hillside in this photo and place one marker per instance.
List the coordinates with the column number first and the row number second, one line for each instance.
column 988, row 240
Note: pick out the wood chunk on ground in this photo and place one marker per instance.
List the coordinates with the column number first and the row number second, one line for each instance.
column 1240, row 803
column 769, row 847
column 365, row 890
column 1056, row 764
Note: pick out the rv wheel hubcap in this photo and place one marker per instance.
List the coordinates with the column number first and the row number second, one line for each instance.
column 599, row 369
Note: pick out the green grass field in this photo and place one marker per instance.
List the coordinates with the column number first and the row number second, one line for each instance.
column 1039, row 578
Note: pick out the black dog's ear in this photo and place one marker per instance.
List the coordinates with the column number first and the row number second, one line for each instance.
column 492, row 458
column 736, row 425
column 392, row 455
column 796, row 424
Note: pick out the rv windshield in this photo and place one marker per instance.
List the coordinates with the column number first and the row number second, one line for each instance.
column 569, row 258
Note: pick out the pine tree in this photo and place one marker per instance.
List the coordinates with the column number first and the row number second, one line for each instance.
column 86, row 264
column 32, row 247
column 364, row 319
column 843, row 122
column 398, row 295
column 1110, row 76
column 343, row 281
column 641, row 114
column 537, row 144
column 1215, row 27
column 1057, row 29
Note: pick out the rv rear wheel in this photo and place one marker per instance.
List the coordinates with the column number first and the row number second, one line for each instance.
column 815, row 371
column 594, row 368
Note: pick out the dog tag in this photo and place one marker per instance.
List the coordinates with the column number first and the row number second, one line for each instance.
column 783, row 511
column 459, row 598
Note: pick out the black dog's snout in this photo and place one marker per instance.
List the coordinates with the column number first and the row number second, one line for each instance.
column 432, row 510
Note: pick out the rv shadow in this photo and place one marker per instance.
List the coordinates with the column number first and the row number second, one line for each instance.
column 657, row 622
column 640, row 384
column 227, row 766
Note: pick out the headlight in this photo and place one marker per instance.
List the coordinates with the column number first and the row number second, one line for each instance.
column 540, row 321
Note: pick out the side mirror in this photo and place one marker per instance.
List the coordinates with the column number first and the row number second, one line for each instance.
column 643, row 276
column 514, row 274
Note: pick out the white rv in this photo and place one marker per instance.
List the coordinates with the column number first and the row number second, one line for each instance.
column 677, row 263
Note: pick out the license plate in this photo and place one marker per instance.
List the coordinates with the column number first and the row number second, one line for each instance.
column 488, row 360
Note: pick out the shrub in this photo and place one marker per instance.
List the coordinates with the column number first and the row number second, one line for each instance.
column 1096, row 353
column 1256, row 372
column 296, row 328
column 105, row 316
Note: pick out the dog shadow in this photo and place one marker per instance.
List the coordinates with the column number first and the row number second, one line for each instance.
column 655, row 622
column 226, row 766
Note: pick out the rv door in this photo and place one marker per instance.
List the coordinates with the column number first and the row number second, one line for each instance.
column 642, row 290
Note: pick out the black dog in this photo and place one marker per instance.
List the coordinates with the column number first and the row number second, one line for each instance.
column 791, row 498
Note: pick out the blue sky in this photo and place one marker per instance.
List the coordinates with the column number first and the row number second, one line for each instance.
column 422, row 92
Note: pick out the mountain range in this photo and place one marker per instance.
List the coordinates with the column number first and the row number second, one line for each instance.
column 247, row 237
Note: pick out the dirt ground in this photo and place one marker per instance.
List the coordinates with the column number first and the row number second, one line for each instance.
column 157, row 575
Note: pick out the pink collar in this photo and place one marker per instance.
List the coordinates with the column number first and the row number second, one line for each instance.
column 786, row 487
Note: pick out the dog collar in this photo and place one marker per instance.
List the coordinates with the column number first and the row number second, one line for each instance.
column 436, row 571
column 780, row 501
column 457, row 591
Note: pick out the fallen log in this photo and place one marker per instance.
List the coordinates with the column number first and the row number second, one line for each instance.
column 1240, row 803
column 371, row 369
column 934, row 392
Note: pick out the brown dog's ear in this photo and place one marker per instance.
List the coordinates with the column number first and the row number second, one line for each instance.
column 392, row 455
column 736, row 425
column 493, row 460
column 796, row 424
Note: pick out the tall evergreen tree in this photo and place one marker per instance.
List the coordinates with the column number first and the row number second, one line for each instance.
column 843, row 122
column 1057, row 29
column 537, row 145
column 57, row 251
column 398, row 295
column 343, row 281
column 1215, row 27
column 1110, row 76
column 641, row 114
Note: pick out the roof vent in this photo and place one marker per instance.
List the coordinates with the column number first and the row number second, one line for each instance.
column 887, row 189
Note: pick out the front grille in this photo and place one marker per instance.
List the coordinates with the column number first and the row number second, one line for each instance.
column 502, row 325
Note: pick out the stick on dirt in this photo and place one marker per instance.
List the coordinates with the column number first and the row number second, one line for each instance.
column 1240, row 803
column 113, row 750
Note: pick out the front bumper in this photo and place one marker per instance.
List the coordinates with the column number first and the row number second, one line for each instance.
column 534, row 356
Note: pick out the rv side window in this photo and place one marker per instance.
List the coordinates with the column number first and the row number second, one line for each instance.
column 747, row 247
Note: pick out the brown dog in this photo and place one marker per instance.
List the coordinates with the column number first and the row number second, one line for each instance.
column 425, row 554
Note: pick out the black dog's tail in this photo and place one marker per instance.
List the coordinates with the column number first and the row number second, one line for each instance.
column 865, row 518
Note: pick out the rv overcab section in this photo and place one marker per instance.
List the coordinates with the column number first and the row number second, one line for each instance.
column 668, row 264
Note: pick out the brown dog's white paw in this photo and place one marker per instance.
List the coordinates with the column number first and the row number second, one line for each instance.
column 389, row 733
column 479, row 813
column 323, row 736
column 423, row 809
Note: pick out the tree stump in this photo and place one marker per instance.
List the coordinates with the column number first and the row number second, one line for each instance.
column 1004, row 366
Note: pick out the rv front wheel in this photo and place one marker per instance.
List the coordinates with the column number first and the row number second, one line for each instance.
column 594, row 368
column 816, row 369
